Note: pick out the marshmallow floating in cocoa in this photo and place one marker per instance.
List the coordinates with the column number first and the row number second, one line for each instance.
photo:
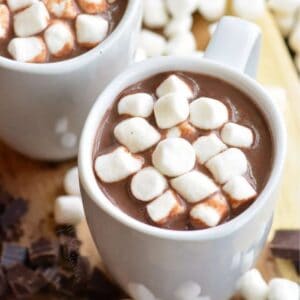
column 184, row 130
column 62, row 8
column 213, row 9
column 155, row 13
column 93, row 6
column 153, row 43
column 4, row 21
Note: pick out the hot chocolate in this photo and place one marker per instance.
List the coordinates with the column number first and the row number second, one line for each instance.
column 183, row 151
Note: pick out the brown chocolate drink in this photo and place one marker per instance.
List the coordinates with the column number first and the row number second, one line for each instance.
column 241, row 110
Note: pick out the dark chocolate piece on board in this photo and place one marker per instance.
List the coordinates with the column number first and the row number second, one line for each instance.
column 68, row 230
column 12, row 254
column 69, row 247
column 3, row 283
column 82, row 271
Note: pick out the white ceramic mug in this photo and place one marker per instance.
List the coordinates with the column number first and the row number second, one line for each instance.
column 153, row 263
column 44, row 106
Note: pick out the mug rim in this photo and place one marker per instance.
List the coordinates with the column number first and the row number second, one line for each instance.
column 153, row 65
column 66, row 65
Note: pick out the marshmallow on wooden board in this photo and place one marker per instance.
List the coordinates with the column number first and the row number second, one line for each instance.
column 174, row 157
column 165, row 207
column 117, row 165
column 213, row 9
column 136, row 134
column 209, row 213
column 4, row 21
column 249, row 9
column 228, row 164
column 181, row 44
column 285, row 23
column 178, row 26
column 283, row 289
column 90, row 30
column 68, row 210
column 207, row 113
column 171, row 110
column 294, row 39
column 194, row 186
column 93, row 6
column 184, row 130
column 148, row 184
column 284, row 6
column 15, row 5
column 59, row 39
column 252, row 286
column 30, row 49
column 140, row 55
column 136, row 105
column 155, row 13
column 31, row 20
column 153, row 43
column 62, row 8
column 208, row 146
column 179, row 8
column 71, row 182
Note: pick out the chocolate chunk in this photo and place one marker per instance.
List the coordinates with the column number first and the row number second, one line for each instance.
column 12, row 254
column 68, row 230
column 286, row 244
column 82, row 271
column 69, row 247
column 3, row 283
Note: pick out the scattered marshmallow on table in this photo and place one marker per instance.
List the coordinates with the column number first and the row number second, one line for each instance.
column 294, row 39
column 68, row 210
column 4, row 21
column 184, row 130
column 181, row 44
column 71, row 182
column 283, row 289
column 252, row 286
column 148, row 184
column 15, row 5
column 136, row 105
column 62, row 8
column 31, row 20
column 179, row 8
column 136, row 134
column 93, row 6
column 155, row 13
column 194, row 186
column 227, row 164
column 178, row 26
column 165, row 207
column 213, row 9
column 174, row 157
column 249, row 9
column 117, row 165
column 284, row 6
column 153, row 43
column 208, row 113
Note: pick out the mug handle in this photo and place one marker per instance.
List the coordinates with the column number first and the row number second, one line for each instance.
column 236, row 43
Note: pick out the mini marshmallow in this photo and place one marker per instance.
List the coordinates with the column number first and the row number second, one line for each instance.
column 136, row 134
column 31, row 49
column 178, row 26
column 71, row 182
column 59, row 39
column 136, row 105
column 208, row 146
column 165, row 207
column 153, row 43
column 184, row 130
column 148, row 184
column 181, row 44
column 208, row 113
column 31, row 20
column 249, row 9
column 62, row 8
column 294, row 39
column 15, row 5
column 93, row 6
column 140, row 55
column 4, row 21
column 213, row 9
column 179, row 8
column 252, row 286
column 284, row 6
column 194, row 186
column 285, row 23
column 171, row 110
column 173, row 84
column 155, row 13
column 237, row 135
column 90, row 30
column 68, row 210
column 283, row 289
column 117, row 165
column 228, row 164
column 174, row 157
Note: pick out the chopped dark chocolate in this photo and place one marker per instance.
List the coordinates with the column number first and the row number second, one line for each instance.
column 12, row 254
column 82, row 271
column 68, row 230
column 3, row 283
column 69, row 248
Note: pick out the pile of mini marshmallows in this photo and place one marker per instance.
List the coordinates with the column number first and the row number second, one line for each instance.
column 42, row 28
column 172, row 173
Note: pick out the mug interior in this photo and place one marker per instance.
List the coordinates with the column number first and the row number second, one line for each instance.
column 144, row 70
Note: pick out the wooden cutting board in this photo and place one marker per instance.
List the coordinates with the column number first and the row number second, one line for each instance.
column 41, row 182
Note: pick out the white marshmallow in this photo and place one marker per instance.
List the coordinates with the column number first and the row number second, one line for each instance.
column 4, row 21
column 155, row 13
column 285, row 23
column 194, row 186
column 117, row 165
column 284, row 6
column 185, row 130
column 153, row 43
column 31, row 20
column 31, row 49
column 90, row 30
column 237, row 135
column 93, row 6
column 62, row 8
column 179, row 8
column 252, row 286
column 136, row 105
column 136, row 134
column 208, row 113
column 178, row 26
column 140, row 55
column 71, row 182
column 68, row 210
column 15, row 5
column 171, row 110
column 181, row 44
column 208, row 146
column 165, row 207
column 213, row 9
column 283, row 289
column 148, row 184
column 173, row 84
column 294, row 39
column 278, row 95
column 174, row 157
column 249, row 9
column 59, row 39
column 230, row 163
